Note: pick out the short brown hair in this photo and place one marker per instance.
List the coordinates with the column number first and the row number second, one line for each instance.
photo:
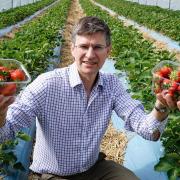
column 89, row 25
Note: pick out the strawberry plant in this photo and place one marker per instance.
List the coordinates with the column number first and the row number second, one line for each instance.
column 8, row 159
column 35, row 41
column 17, row 14
column 163, row 20
column 170, row 163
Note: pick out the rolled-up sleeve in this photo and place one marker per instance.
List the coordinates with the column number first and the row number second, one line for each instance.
column 132, row 112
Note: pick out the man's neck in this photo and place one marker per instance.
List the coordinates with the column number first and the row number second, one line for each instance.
column 88, row 83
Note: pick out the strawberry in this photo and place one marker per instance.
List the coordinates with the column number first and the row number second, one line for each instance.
column 166, row 83
column 157, row 90
column 8, row 90
column 1, row 78
column 165, row 71
column 17, row 75
column 158, row 74
column 2, row 68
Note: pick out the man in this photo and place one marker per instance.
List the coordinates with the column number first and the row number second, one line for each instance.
column 74, row 105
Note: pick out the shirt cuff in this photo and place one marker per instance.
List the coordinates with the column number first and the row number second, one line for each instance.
column 154, row 124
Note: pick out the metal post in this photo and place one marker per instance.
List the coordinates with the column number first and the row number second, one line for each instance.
column 169, row 4
column 12, row 3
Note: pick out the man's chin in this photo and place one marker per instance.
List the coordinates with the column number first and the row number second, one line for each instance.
column 90, row 72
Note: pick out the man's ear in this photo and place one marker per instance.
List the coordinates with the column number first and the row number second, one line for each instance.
column 109, row 49
column 72, row 48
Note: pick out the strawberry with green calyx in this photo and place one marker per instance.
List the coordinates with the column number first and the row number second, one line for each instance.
column 5, row 73
column 166, row 84
column 165, row 71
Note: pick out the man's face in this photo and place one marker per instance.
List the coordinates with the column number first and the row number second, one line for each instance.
column 90, row 52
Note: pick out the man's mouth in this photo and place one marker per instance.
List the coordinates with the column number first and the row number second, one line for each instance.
column 90, row 62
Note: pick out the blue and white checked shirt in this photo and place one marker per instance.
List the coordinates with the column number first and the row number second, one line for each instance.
column 70, row 128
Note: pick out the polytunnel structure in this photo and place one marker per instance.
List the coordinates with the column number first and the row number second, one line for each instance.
column 36, row 34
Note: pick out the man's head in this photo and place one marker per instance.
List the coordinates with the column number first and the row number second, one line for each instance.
column 91, row 45
column 90, row 25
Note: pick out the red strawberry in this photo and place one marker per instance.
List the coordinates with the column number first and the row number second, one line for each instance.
column 1, row 78
column 165, row 71
column 18, row 75
column 166, row 83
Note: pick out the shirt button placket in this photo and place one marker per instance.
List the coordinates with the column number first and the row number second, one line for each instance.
column 84, row 137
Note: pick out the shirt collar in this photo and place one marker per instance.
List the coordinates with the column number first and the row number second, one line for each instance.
column 75, row 79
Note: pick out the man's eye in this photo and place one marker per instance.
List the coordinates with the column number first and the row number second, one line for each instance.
column 97, row 48
column 84, row 47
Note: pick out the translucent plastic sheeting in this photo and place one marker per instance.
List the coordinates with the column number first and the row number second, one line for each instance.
column 8, row 29
column 54, row 60
column 141, row 155
column 171, row 44
column 8, row 4
column 167, row 4
column 23, row 152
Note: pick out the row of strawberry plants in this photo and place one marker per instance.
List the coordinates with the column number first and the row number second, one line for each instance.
column 35, row 41
column 12, row 16
column 137, row 57
column 162, row 20
column 32, row 45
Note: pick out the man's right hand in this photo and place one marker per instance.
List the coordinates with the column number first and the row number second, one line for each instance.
column 4, row 103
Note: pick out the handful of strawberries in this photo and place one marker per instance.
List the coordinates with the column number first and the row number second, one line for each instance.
column 166, row 77
column 12, row 77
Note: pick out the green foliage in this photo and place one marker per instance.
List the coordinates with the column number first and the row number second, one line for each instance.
column 170, row 164
column 163, row 20
column 12, row 16
column 137, row 57
column 8, row 158
column 32, row 45
column 35, row 41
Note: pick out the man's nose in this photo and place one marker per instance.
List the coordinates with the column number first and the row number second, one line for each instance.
column 90, row 52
